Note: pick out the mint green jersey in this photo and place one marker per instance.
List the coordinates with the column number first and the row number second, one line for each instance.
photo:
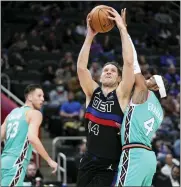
column 141, row 121
column 17, row 150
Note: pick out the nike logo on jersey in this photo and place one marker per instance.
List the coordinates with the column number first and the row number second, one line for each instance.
column 98, row 93
column 110, row 97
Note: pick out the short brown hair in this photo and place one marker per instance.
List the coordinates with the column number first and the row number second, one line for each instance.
column 117, row 66
column 30, row 88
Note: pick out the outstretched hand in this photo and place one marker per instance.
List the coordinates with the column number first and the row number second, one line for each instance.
column 123, row 15
column 90, row 30
column 53, row 165
column 115, row 16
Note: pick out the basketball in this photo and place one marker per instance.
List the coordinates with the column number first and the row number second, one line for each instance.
column 99, row 21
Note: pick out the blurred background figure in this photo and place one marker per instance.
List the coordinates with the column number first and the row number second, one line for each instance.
column 33, row 175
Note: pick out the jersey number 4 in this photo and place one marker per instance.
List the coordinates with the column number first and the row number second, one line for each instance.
column 149, row 125
column 94, row 128
column 12, row 129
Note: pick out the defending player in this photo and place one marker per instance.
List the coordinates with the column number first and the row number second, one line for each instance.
column 20, row 131
column 105, row 106
column 142, row 118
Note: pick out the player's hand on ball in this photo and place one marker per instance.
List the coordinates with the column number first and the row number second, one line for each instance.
column 123, row 15
column 114, row 15
column 90, row 31
column 53, row 165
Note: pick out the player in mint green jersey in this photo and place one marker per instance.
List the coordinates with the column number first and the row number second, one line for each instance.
column 142, row 118
column 20, row 131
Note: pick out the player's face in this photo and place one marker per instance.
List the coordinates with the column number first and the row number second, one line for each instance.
column 37, row 98
column 31, row 170
column 151, row 84
column 109, row 76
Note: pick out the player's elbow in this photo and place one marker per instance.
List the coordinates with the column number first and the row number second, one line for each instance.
column 129, row 62
column 81, row 70
column 31, row 138
column 82, row 73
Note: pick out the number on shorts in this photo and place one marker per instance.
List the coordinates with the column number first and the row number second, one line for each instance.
column 12, row 129
column 149, row 125
column 94, row 128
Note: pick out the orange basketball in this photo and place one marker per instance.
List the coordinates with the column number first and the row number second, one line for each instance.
column 99, row 21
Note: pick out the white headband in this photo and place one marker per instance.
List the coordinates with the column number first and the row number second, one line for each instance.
column 161, row 86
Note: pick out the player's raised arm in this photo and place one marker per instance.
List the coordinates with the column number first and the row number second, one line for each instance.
column 139, row 78
column 34, row 118
column 128, row 78
column 87, row 83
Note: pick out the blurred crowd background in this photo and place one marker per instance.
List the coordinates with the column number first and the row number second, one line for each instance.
column 40, row 43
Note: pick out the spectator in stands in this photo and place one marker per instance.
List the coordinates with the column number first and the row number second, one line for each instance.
column 167, row 59
column 68, row 65
column 74, row 85
column 22, row 43
column 17, row 61
column 70, row 76
column 68, row 36
column 32, row 174
column 81, row 28
column 174, row 38
column 164, row 33
column 55, row 11
column 53, row 44
column 45, row 17
column 67, row 60
column 96, row 49
column 163, row 17
column 34, row 41
column 140, row 14
column 59, row 76
column 58, row 96
column 71, row 108
column 175, row 175
column 162, row 150
column 71, row 112
column 172, row 76
column 160, row 179
column 166, row 169
column 48, row 75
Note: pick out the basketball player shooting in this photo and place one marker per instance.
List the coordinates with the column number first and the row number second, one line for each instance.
column 105, row 106
column 142, row 118
column 20, row 130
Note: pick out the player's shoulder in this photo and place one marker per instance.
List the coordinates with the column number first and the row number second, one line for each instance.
column 14, row 110
column 34, row 113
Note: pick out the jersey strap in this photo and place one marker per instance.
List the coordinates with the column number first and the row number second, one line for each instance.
column 135, row 145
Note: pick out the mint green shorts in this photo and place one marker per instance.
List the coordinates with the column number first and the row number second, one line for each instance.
column 12, row 177
column 136, row 168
